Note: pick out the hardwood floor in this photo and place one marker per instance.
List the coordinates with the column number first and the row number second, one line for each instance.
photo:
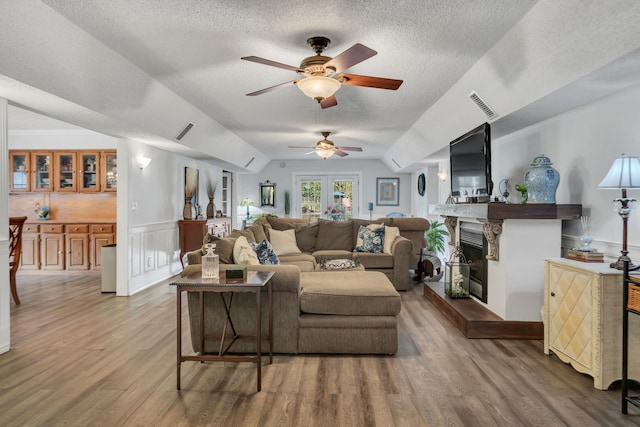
column 83, row 358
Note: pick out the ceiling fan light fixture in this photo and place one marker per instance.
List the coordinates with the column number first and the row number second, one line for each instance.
column 318, row 87
column 325, row 153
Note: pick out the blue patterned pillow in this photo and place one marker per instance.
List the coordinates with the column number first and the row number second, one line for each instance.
column 265, row 252
column 371, row 239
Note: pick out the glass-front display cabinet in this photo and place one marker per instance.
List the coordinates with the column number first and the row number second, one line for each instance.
column 65, row 163
column 19, row 173
column 89, row 176
column 41, row 169
column 110, row 171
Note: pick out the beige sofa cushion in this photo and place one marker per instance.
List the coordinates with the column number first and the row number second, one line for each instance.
column 336, row 235
column 306, row 236
column 305, row 262
column 355, row 293
column 375, row 261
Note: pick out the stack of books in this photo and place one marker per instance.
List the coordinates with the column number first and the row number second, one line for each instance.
column 585, row 256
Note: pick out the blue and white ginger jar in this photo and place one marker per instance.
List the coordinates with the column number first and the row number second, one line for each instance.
column 541, row 181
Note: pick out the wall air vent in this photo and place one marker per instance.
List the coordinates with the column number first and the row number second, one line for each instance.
column 483, row 106
column 250, row 161
column 394, row 161
column 184, row 131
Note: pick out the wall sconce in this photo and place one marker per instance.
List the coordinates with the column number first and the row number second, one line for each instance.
column 442, row 176
column 370, row 210
column 143, row 162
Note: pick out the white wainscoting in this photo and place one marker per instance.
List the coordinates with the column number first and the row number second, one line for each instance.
column 153, row 254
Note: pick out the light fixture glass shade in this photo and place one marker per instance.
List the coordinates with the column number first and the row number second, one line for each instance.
column 624, row 173
column 325, row 153
column 318, row 87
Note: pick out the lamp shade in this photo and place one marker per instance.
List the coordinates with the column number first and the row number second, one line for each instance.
column 318, row 87
column 325, row 153
column 624, row 173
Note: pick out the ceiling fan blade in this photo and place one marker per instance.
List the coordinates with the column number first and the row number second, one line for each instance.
column 271, row 63
column 349, row 148
column 329, row 102
column 368, row 81
column 340, row 153
column 310, row 152
column 350, row 57
column 299, row 146
column 269, row 89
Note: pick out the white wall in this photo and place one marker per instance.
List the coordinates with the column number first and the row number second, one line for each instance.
column 280, row 172
column 5, row 298
column 582, row 145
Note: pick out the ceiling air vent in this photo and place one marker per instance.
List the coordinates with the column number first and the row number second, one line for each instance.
column 250, row 161
column 184, row 131
column 483, row 106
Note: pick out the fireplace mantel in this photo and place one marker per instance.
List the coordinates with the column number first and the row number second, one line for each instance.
column 491, row 216
column 497, row 211
column 519, row 237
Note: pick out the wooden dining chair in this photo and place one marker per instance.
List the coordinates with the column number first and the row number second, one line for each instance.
column 15, row 248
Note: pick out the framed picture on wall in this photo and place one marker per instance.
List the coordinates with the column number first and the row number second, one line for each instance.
column 387, row 191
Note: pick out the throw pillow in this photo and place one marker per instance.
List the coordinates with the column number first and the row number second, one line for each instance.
column 258, row 232
column 390, row 234
column 280, row 224
column 371, row 239
column 306, row 235
column 265, row 252
column 338, row 264
column 335, row 235
column 243, row 252
column 224, row 247
column 283, row 242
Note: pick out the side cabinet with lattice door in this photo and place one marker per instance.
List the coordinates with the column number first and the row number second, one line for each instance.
column 581, row 315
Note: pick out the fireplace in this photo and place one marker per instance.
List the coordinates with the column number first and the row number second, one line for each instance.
column 474, row 247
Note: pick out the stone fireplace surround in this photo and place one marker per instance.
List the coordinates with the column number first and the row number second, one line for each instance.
column 520, row 237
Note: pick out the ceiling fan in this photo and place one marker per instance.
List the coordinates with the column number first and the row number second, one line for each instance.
column 325, row 148
column 321, row 76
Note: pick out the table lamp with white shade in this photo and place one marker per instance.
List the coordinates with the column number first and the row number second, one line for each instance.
column 624, row 175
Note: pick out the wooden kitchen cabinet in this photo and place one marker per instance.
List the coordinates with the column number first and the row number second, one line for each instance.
column 41, row 171
column 52, row 247
column 63, row 171
column 109, row 171
column 582, row 320
column 65, row 164
column 77, row 244
column 89, row 171
column 19, row 171
column 101, row 235
column 30, row 255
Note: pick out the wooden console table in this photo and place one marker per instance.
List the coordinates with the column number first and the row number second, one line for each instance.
column 254, row 282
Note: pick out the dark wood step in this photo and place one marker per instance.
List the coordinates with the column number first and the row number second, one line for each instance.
column 476, row 321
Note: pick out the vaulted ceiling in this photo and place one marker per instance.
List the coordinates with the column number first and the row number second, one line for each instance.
column 187, row 53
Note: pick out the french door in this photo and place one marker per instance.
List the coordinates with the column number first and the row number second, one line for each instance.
column 326, row 196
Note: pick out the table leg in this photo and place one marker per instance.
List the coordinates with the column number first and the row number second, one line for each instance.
column 201, row 320
column 179, row 335
column 259, row 339
column 270, row 322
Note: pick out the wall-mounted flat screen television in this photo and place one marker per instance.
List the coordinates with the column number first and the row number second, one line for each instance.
column 470, row 160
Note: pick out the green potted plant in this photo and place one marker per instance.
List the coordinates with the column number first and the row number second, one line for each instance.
column 436, row 237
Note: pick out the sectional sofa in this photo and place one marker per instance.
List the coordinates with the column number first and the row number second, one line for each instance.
column 314, row 310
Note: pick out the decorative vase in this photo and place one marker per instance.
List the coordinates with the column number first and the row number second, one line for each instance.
column 187, row 212
column 211, row 208
column 541, row 181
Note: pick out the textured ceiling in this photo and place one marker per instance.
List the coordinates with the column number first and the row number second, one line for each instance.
column 194, row 47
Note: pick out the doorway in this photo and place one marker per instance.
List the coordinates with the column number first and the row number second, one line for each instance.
column 330, row 196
